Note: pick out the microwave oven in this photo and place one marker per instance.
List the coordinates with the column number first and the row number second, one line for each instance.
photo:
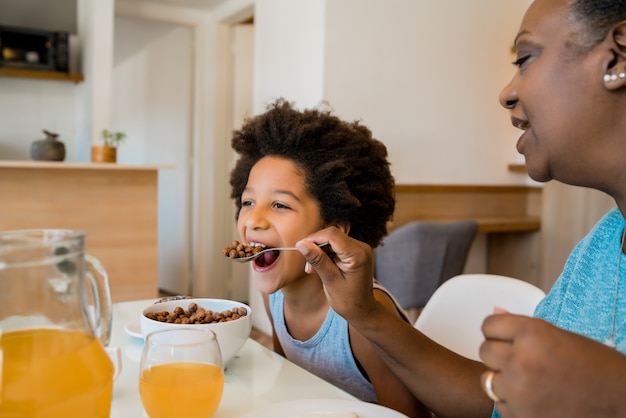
column 34, row 49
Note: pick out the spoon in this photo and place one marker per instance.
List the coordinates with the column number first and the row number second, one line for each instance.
column 325, row 246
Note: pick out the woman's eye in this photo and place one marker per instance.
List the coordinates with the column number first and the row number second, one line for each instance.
column 521, row 60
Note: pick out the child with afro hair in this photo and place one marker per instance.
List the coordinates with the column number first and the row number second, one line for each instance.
column 299, row 172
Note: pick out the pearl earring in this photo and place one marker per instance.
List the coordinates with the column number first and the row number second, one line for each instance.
column 613, row 77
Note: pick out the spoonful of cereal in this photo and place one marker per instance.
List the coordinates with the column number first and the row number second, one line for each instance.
column 244, row 253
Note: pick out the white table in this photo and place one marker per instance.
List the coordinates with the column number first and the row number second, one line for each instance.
column 255, row 377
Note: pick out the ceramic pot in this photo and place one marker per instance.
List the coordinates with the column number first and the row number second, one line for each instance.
column 48, row 149
column 103, row 154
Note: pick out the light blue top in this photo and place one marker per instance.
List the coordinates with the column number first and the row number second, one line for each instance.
column 328, row 353
column 582, row 299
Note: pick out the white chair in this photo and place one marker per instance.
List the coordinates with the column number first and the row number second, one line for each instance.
column 454, row 314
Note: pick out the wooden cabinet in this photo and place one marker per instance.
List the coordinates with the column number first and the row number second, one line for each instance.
column 116, row 205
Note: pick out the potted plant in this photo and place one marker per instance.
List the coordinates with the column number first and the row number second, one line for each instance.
column 107, row 152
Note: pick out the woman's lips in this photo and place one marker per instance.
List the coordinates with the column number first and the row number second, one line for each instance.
column 524, row 125
column 520, row 124
column 520, row 144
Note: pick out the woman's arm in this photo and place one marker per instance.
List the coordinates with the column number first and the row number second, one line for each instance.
column 448, row 384
column 390, row 390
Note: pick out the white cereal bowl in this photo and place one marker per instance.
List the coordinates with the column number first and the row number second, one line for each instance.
column 231, row 335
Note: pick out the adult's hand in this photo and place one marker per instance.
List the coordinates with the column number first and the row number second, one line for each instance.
column 347, row 276
column 544, row 371
column 444, row 381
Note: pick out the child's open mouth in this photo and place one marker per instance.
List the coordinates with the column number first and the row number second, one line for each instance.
column 267, row 259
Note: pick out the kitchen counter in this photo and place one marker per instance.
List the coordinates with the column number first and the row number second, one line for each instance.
column 115, row 204
column 62, row 165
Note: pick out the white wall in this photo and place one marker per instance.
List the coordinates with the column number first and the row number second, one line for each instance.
column 28, row 106
column 289, row 51
column 424, row 76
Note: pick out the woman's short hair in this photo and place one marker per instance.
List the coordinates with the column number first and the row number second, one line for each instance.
column 596, row 18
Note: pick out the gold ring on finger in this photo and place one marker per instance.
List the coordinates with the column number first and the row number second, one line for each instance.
column 489, row 386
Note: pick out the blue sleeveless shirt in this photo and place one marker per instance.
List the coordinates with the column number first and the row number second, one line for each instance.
column 328, row 353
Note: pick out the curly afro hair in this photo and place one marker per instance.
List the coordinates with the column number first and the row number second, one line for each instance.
column 346, row 169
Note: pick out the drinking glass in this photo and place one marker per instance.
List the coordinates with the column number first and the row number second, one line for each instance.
column 181, row 373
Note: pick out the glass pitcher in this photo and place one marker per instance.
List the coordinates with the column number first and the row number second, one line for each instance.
column 55, row 319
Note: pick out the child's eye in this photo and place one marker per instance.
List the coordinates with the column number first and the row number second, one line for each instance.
column 246, row 203
column 279, row 205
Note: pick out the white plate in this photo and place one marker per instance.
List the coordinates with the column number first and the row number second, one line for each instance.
column 133, row 328
column 295, row 409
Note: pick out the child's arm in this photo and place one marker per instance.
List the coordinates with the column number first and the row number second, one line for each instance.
column 390, row 391
column 277, row 347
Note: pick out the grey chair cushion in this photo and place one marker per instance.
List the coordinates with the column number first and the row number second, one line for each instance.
column 416, row 258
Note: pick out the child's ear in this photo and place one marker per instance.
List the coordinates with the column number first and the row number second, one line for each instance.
column 344, row 227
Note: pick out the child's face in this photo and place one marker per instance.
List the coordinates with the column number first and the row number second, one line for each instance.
column 277, row 211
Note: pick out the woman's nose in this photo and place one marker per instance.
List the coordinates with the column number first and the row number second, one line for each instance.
column 508, row 96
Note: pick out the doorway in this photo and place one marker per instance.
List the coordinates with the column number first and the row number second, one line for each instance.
column 153, row 103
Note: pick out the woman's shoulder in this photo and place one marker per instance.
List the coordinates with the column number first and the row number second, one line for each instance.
column 602, row 235
column 611, row 219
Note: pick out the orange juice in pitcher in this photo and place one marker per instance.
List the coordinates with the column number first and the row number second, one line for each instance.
column 55, row 316
column 54, row 373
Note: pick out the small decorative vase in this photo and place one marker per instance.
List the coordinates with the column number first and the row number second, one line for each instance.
column 48, row 149
column 103, row 154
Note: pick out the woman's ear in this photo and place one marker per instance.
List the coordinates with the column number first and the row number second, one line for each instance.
column 615, row 75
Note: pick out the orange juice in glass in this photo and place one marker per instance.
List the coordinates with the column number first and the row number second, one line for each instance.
column 54, row 322
column 181, row 373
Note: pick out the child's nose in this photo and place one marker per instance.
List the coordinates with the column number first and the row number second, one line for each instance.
column 256, row 218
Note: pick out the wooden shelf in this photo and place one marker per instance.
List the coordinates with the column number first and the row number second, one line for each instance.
column 517, row 168
column 40, row 74
column 497, row 209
